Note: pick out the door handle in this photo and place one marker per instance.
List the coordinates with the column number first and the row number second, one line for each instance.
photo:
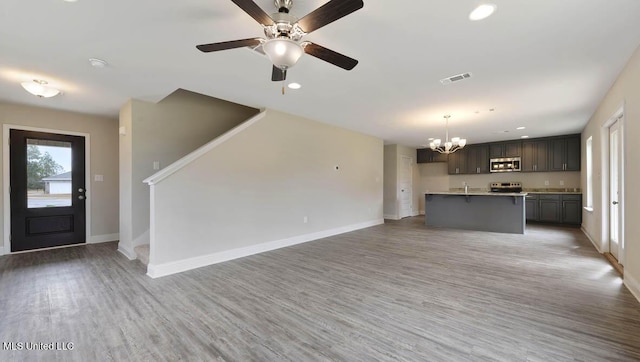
column 615, row 202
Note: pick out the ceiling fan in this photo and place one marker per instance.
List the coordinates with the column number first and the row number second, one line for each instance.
column 283, row 33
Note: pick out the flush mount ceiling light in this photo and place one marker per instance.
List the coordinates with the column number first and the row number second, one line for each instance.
column 97, row 63
column 452, row 146
column 39, row 88
column 482, row 12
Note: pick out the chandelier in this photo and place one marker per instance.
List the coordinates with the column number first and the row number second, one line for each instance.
column 452, row 146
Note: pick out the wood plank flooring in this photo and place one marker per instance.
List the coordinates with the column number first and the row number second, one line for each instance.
column 394, row 292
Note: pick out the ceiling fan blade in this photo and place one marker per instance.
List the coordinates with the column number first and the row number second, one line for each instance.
column 214, row 47
column 330, row 56
column 328, row 13
column 254, row 11
column 278, row 75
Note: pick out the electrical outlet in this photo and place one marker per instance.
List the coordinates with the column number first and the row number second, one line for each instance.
column 546, row 182
column 305, row 219
column 561, row 182
column 156, row 165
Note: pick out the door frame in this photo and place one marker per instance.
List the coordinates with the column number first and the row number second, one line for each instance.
column 618, row 116
column 6, row 181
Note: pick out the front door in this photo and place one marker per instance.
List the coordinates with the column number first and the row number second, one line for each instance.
column 614, row 190
column 47, row 190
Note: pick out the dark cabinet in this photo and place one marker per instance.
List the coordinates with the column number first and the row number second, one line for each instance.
column 505, row 149
column 426, row 155
column 477, row 159
column 564, row 153
column 535, row 154
column 554, row 208
column 572, row 209
column 549, row 208
column 458, row 162
column 531, row 207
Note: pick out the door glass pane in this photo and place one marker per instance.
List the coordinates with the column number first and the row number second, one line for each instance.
column 48, row 173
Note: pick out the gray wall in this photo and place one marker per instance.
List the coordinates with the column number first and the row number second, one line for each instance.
column 258, row 186
column 392, row 158
column 164, row 132
column 103, row 133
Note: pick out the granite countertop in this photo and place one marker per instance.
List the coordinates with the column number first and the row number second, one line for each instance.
column 475, row 193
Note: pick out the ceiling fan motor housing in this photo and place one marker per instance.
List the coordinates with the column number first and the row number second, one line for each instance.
column 283, row 6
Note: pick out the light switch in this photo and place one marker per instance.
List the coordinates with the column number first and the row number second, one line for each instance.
column 122, row 131
column 98, row 178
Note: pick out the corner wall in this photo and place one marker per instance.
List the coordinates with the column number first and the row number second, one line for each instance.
column 624, row 92
column 164, row 132
column 103, row 133
column 273, row 184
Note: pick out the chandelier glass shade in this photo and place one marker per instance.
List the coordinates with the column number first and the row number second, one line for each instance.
column 283, row 52
column 447, row 147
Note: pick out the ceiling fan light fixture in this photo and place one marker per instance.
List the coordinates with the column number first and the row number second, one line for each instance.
column 283, row 52
column 482, row 12
column 40, row 89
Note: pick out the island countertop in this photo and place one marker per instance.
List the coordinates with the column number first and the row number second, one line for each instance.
column 476, row 193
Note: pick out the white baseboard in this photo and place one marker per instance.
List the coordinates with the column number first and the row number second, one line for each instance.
column 94, row 239
column 633, row 285
column 595, row 245
column 1, row 250
column 160, row 270
column 130, row 254
column 391, row 217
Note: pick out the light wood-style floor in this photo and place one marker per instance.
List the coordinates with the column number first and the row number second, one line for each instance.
column 394, row 292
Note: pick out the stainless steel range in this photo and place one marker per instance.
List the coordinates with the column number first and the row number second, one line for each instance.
column 505, row 187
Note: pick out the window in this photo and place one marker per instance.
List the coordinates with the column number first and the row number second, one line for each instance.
column 589, row 154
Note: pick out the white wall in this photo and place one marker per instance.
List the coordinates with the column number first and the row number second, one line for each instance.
column 625, row 91
column 103, row 133
column 252, row 192
column 163, row 132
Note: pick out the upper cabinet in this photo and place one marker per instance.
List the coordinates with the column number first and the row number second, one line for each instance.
column 477, row 158
column 564, row 153
column 426, row 155
column 535, row 155
column 505, row 149
column 458, row 162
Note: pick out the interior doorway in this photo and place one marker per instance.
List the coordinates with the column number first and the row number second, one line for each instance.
column 405, row 187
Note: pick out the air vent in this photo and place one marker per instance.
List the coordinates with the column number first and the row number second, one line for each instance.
column 455, row 78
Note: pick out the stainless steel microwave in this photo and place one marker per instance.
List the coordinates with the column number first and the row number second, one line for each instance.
column 509, row 164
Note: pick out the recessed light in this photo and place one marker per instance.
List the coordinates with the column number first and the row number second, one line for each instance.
column 482, row 12
column 524, row 136
column 430, row 139
column 97, row 63
column 294, row 85
column 521, row 127
column 70, row 1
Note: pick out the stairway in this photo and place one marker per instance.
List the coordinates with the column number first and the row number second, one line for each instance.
column 142, row 252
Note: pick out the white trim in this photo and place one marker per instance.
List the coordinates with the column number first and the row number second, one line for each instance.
column 103, row 238
column 391, row 217
column 6, row 181
column 588, row 209
column 160, row 270
column 174, row 167
column 129, row 254
column 595, row 245
column 633, row 285
column 1, row 250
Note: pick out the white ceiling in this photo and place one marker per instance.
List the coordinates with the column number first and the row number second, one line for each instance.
column 543, row 64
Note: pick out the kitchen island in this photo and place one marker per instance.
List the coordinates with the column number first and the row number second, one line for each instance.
column 482, row 211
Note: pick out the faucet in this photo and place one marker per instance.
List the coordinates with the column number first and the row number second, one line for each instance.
column 466, row 188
